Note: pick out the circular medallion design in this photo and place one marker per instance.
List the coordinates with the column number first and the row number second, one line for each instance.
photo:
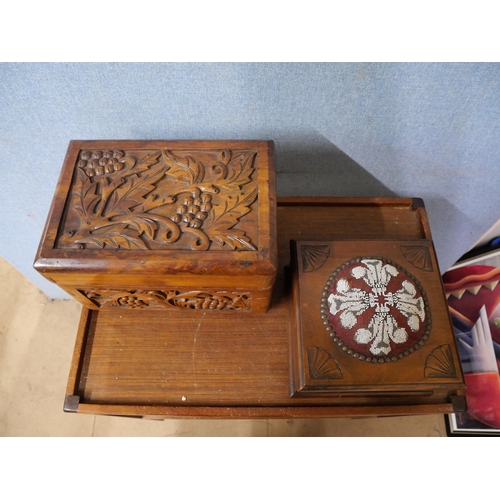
column 375, row 310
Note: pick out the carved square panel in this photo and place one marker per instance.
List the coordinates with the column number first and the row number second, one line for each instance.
column 160, row 199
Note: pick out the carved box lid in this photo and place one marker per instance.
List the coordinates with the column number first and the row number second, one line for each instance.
column 371, row 316
column 164, row 207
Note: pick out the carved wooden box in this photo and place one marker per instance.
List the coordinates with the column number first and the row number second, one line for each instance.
column 370, row 319
column 164, row 225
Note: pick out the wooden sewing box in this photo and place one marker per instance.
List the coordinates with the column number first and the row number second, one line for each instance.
column 206, row 296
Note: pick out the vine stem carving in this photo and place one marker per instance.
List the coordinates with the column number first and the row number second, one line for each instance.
column 125, row 203
column 161, row 299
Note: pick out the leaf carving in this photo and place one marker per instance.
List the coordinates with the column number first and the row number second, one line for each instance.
column 85, row 195
column 240, row 170
column 122, row 239
column 168, row 299
column 146, row 162
column 186, row 170
column 133, row 191
column 226, row 215
column 142, row 225
column 242, row 302
column 153, row 202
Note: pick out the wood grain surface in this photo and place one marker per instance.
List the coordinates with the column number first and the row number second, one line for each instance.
column 233, row 365
column 399, row 296
column 164, row 217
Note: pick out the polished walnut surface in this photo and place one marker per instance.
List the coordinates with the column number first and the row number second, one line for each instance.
column 189, row 224
column 235, row 365
column 370, row 316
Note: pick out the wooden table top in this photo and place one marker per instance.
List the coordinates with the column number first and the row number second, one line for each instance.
column 231, row 365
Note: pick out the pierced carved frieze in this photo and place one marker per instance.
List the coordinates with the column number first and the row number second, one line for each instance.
column 192, row 200
column 167, row 299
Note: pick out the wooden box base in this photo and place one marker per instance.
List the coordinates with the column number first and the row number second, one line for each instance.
column 369, row 319
column 207, row 365
column 164, row 225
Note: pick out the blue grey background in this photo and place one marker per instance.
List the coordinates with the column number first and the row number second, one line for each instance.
column 424, row 130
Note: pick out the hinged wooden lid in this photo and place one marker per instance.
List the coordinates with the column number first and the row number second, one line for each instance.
column 149, row 207
column 370, row 316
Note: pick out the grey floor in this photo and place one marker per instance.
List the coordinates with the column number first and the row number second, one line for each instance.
column 36, row 344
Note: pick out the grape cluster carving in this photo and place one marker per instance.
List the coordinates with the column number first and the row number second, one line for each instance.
column 131, row 301
column 159, row 299
column 194, row 210
column 96, row 163
column 192, row 199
